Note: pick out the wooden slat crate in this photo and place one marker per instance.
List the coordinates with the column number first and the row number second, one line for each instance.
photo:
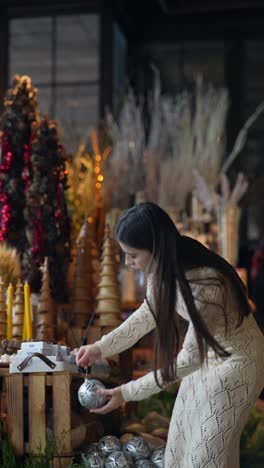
column 26, row 407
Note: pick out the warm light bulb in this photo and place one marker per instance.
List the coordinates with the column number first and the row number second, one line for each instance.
column 98, row 157
column 100, row 178
column 98, row 185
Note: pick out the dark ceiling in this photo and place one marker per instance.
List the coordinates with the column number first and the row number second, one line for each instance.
column 168, row 19
column 139, row 13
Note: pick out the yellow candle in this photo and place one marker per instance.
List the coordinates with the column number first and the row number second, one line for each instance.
column 27, row 313
column 10, row 296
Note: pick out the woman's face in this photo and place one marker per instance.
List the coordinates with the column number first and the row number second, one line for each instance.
column 138, row 259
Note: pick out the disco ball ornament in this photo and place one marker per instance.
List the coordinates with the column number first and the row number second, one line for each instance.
column 109, row 444
column 158, row 457
column 87, row 395
column 145, row 464
column 138, row 448
column 93, row 461
column 92, row 449
column 119, row 460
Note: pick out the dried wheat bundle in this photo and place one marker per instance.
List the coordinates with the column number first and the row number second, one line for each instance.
column 172, row 188
column 9, row 264
column 208, row 129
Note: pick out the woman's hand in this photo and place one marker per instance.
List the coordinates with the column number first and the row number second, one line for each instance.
column 115, row 399
column 88, row 354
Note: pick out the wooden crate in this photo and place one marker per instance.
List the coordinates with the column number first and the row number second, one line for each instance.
column 25, row 401
column 25, row 412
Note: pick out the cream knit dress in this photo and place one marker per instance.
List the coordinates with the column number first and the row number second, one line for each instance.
column 214, row 400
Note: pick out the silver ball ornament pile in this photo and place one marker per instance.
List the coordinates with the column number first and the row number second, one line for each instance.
column 91, row 450
column 119, row 460
column 108, row 445
column 157, row 457
column 93, row 461
column 108, row 453
column 145, row 464
column 138, row 448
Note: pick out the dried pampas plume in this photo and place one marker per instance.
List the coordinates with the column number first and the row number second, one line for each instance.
column 9, row 264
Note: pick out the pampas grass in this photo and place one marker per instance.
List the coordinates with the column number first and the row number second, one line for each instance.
column 124, row 169
column 187, row 131
column 9, row 264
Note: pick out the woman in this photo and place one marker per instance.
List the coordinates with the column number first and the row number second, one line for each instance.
column 221, row 362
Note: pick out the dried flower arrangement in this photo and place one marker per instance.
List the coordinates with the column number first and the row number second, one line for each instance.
column 184, row 131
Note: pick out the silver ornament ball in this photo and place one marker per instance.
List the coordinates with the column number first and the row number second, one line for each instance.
column 92, row 449
column 87, row 395
column 93, row 461
column 109, row 444
column 138, row 448
column 119, row 460
column 158, row 456
column 145, row 464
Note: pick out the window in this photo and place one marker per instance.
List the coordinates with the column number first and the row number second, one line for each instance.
column 61, row 55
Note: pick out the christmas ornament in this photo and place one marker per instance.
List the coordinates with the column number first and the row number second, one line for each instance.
column 87, row 395
column 119, row 460
column 93, row 461
column 158, row 457
column 92, row 449
column 108, row 445
column 138, row 448
column 145, row 464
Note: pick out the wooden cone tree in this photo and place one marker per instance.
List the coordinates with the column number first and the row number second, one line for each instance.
column 108, row 298
column 45, row 317
column 3, row 323
column 18, row 312
column 94, row 260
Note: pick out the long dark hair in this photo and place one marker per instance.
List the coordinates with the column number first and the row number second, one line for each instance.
column 146, row 226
